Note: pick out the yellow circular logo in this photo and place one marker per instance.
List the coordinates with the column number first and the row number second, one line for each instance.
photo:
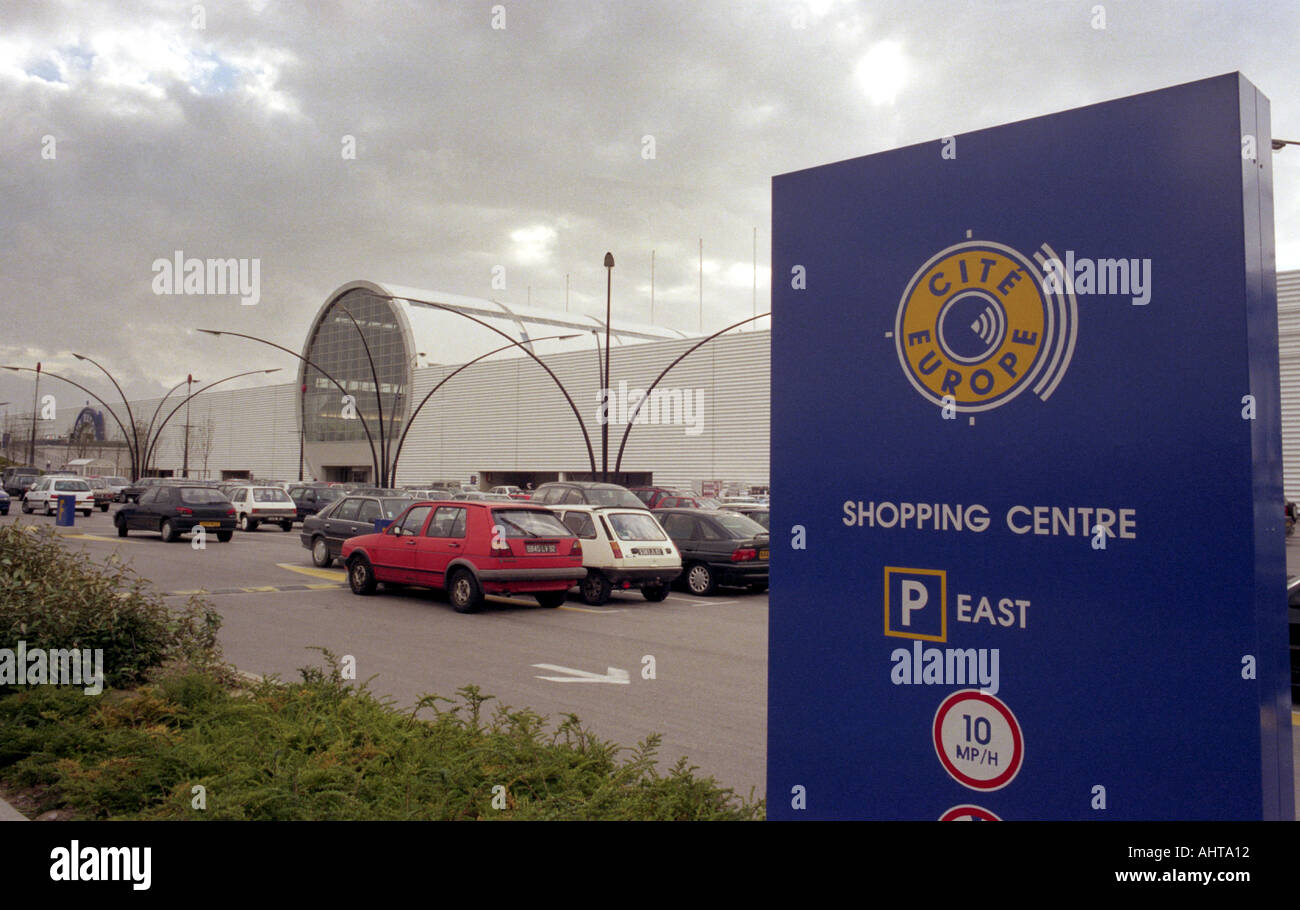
column 973, row 324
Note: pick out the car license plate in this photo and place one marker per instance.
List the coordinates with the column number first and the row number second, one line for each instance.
column 762, row 554
column 210, row 524
column 539, row 548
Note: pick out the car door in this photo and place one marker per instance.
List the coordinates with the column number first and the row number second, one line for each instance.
column 683, row 529
column 444, row 540
column 395, row 553
column 338, row 525
column 137, row 517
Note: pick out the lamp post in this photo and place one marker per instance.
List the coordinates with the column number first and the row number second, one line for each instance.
column 185, row 459
column 604, row 424
column 148, row 452
column 31, row 446
column 374, row 455
column 78, row 385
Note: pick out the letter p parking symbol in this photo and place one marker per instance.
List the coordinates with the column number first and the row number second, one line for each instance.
column 916, row 603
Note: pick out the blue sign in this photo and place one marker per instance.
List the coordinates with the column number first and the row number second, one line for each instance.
column 1036, row 569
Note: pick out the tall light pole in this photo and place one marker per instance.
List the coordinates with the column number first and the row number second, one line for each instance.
column 31, row 446
column 185, row 459
column 604, row 424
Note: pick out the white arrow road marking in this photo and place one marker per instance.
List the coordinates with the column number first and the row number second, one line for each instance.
column 612, row 675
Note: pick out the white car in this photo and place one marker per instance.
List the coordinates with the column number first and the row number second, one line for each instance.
column 621, row 548
column 45, row 493
column 256, row 504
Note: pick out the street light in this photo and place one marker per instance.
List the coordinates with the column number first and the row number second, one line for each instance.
column 31, row 447
column 604, row 423
column 397, row 453
column 185, row 459
column 158, row 435
column 374, row 456
column 78, row 385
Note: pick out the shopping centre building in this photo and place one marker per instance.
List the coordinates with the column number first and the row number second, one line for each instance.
column 507, row 419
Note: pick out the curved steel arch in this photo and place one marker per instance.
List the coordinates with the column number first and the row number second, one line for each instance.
column 631, row 418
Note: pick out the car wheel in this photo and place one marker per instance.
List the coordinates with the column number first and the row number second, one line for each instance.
column 121, row 526
column 86, row 513
column 49, row 508
column 551, row 598
column 224, row 536
column 464, row 592
column 169, row 532
column 655, row 593
column 758, row 587
column 320, row 553
column 595, row 589
column 286, row 526
column 700, row 580
column 361, row 575
column 103, row 507
column 26, row 507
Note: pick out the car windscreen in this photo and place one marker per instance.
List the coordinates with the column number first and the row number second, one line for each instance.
column 597, row 496
column 638, row 526
column 738, row 526
column 202, row 496
column 270, row 494
column 529, row 523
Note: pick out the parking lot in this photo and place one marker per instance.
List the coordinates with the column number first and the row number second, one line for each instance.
column 693, row 669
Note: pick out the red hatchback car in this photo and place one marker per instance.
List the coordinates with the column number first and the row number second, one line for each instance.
column 470, row 549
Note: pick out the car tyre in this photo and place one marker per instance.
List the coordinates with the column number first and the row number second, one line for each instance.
column 320, row 553
column 700, row 580
column 361, row 575
column 552, row 599
column 103, row 507
column 286, row 526
column 595, row 588
column 655, row 593
column 121, row 527
column 464, row 592
column 169, row 532
column 224, row 536
column 26, row 507
column 246, row 523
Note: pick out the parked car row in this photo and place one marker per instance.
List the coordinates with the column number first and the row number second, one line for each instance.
column 464, row 544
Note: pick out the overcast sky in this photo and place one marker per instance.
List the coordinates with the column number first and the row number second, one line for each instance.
column 220, row 129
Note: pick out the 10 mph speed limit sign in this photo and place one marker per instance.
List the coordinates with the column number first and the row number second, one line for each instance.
column 978, row 740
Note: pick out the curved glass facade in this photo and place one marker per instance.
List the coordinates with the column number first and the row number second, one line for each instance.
column 337, row 348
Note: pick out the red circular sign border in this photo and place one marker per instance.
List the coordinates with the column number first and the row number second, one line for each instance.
column 969, row 809
column 1018, row 742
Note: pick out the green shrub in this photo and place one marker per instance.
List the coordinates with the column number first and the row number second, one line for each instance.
column 54, row 598
column 322, row 749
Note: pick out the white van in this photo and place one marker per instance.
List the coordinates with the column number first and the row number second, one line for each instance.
column 621, row 548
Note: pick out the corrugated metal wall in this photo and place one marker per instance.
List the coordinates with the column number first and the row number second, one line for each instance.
column 508, row 415
column 1288, row 336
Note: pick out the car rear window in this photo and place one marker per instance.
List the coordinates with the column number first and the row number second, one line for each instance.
column 529, row 523
column 640, row 526
column 271, row 494
column 738, row 525
column 201, row 496
column 72, row 486
column 393, row 507
column 598, row 497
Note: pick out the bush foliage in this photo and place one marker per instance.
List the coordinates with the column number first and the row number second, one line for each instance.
column 55, row 598
column 324, row 749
